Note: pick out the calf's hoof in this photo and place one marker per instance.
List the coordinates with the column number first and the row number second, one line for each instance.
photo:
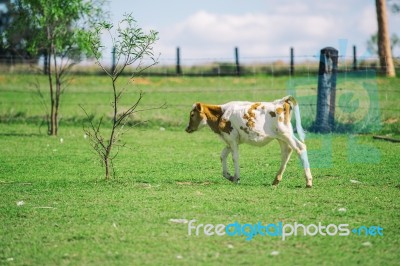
column 234, row 179
column 308, row 182
column 276, row 182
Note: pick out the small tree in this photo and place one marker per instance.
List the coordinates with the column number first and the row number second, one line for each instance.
column 132, row 46
column 57, row 29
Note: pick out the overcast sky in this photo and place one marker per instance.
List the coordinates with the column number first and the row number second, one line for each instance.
column 261, row 29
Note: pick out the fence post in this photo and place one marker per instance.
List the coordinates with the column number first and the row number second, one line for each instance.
column 237, row 61
column 354, row 57
column 291, row 61
column 326, row 97
column 113, row 61
column 178, row 62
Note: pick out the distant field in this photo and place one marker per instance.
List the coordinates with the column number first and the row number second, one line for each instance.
column 55, row 208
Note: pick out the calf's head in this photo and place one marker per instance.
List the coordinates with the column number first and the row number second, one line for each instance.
column 197, row 118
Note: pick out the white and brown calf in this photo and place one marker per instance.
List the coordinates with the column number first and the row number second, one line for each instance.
column 256, row 123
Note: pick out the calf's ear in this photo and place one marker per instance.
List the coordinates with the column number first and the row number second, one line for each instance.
column 199, row 107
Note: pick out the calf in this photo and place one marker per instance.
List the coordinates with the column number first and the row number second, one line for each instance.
column 256, row 123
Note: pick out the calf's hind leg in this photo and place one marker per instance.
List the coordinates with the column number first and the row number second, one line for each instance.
column 286, row 151
column 301, row 150
column 235, row 158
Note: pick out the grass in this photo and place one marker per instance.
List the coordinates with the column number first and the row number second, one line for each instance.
column 71, row 216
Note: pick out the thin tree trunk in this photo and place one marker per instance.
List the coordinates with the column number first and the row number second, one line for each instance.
column 57, row 92
column 107, row 159
column 57, row 102
column 51, row 124
column 384, row 50
column 53, row 115
column 107, row 166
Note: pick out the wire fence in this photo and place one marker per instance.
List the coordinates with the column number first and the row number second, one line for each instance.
column 365, row 116
column 218, row 66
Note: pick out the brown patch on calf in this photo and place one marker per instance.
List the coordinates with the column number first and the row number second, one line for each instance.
column 250, row 115
column 286, row 110
column 272, row 114
column 250, row 124
column 254, row 106
column 214, row 113
column 279, row 111
column 291, row 101
column 225, row 126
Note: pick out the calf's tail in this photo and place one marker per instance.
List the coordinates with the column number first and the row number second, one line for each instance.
column 293, row 102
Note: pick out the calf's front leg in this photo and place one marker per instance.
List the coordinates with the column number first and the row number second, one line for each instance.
column 235, row 156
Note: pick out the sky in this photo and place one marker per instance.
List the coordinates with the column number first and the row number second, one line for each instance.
column 208, row 30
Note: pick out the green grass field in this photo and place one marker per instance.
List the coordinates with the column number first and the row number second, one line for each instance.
column 56, row 209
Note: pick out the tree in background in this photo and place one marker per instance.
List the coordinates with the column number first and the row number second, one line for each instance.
column 13, row 44
column 372, row 43
column 394, row 5
column 58, row 30
column 385, row 54
column 131, row 46
column 4, row 23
